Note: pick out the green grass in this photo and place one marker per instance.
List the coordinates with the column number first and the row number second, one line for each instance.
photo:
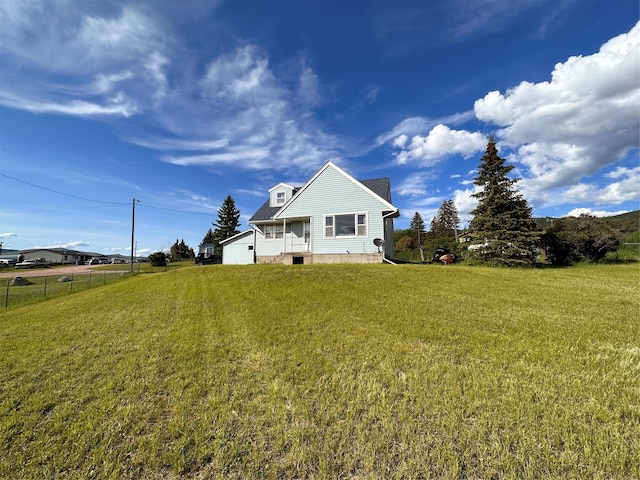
column 345, row 371
column 40, row 288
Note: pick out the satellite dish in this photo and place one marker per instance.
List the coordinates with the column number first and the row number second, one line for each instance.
column 378, row 242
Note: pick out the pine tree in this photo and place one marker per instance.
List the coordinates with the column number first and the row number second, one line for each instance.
column 504, row 231
column 228, row 221
column 181, row 251
column 417, row 225
column 209, row 237
column 445, row 223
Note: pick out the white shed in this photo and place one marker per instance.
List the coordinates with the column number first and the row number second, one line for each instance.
column 239, row 249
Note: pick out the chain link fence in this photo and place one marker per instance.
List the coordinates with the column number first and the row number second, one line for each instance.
column 21, row 290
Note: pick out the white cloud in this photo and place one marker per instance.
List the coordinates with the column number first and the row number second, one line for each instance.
column 412, row 186
column 583, row 120
column 70, row 245
column 440, row 143
column 576, row 212
column 61, row 60
column 626, row 189
column 8, row 235
column 118, row 107
column 400, row 141
column 417, row 125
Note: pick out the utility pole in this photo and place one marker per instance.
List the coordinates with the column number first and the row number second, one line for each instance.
column 133, row 229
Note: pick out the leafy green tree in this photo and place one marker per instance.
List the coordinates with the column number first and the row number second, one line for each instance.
column 584, row 238
column 406, row 243
column 228, row 221
column 417, row 225
column 503, row 229
column 181, row 251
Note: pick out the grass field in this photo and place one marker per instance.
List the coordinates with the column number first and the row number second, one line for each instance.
column 344, row 371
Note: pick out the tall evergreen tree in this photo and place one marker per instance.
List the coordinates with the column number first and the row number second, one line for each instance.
column 181, row 251
column 209, row 237
column 445, row 223
column 228, row 221
column 503, row 229
column 417, row 225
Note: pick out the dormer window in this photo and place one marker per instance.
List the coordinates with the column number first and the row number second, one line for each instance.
column 280, row 194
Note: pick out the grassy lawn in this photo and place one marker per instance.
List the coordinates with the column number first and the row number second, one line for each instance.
column 344, row 371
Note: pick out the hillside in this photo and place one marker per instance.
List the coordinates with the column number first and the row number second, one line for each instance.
column 327, row 371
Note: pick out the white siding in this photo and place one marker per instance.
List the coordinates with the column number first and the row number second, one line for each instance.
column 238, row 251
column 333, row 193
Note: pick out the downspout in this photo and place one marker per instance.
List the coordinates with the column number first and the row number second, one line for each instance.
column 254, row 245
column 386, row 217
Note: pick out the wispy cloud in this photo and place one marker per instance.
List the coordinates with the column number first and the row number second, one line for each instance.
column 115, row 61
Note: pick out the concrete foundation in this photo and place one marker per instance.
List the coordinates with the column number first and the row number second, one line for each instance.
column 305, row 258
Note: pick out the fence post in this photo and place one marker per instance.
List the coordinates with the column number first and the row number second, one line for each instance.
column 71, row 284
column 104, row 278
column 6, row 297
column 45, row 286
column 89, row 279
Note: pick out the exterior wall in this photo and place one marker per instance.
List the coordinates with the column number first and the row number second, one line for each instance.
column 333, row 193
column 239, row 251
column 52, row 256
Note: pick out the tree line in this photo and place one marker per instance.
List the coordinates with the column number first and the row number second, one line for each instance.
column 225, row 227
column 502, row 231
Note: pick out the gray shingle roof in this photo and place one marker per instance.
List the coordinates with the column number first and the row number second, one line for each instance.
column 380, row 186
column 265, row 212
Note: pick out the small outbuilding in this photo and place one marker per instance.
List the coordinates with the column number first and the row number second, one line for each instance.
column 239, row 249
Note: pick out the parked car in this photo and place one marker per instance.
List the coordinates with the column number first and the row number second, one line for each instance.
column 34, row 263
column 206, row 259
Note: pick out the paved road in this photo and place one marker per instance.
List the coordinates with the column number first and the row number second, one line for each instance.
column 44, row 272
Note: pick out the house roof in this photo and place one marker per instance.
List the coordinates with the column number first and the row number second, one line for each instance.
column 379, row 186
column 237, row 236
column 265, row 212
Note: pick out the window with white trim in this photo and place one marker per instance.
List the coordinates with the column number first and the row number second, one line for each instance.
column 345, row 225
column 280, row 198
column 272, row 232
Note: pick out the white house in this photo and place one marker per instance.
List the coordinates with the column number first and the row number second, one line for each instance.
column 332, row 218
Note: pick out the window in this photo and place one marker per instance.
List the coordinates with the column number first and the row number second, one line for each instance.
column 280, row 198
column 347, row 225
column 328, row 227
column 362, row 225
column 273, row 231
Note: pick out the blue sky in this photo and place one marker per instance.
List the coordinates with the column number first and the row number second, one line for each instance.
column 179, row 104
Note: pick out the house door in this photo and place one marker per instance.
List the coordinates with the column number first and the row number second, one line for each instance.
column 306, row 233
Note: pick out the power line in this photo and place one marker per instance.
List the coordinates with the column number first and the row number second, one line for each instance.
column 92, row 200
column 58, row 192
column 173, row 210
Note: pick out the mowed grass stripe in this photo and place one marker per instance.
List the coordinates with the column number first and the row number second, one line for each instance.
column 367, row 371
